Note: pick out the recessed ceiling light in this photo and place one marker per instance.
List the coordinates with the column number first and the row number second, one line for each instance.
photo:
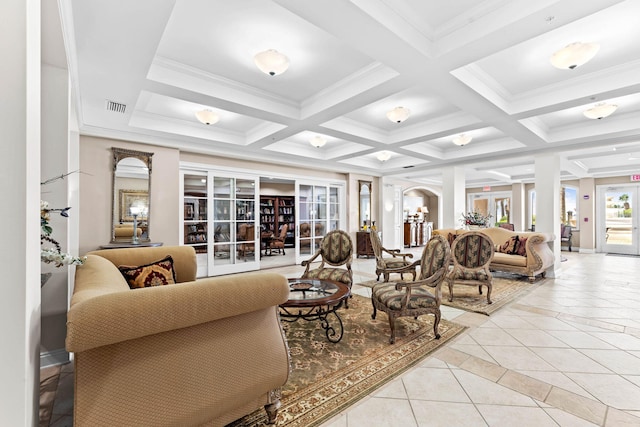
column 271, row 62
column 398, row 114
column 574, row 55
column 207, row 117
column 600, row 111
column 317, row 141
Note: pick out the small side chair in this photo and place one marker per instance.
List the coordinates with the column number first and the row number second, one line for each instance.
column 415, row 298
column 386, row 265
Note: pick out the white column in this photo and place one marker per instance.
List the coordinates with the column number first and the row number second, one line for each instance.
column 391, row 212
column 20, row 189
column 548, row 201
column 453, row 197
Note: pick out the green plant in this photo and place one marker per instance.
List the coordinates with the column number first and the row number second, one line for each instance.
column 475, row 218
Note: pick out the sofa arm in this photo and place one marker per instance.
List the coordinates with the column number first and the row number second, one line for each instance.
column 539, row 255
column 120, row 316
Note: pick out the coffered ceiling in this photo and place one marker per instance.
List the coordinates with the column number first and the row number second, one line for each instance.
column 479, row 68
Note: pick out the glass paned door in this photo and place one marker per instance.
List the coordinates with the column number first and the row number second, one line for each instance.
column 618, row 224
column 320, row 209
column 219, row 221
column 497, row 204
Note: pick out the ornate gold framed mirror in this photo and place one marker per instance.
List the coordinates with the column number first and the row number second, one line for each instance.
column 130, row 196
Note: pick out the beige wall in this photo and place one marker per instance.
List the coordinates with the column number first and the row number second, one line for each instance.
column 95, row 191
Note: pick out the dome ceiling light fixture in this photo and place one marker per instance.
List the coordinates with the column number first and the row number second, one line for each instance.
column 600, row 111
column 383, row 156
column 574, row 55
column 271, row 62
column 461, row 139
column 207, row 117
column 317, row 141
column 398, row 114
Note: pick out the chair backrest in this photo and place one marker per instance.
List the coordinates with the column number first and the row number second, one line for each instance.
column 336, row 247
column 435, row 256
column 507, row 225
column 565, row 231
column 283, row 231
column 305, row 229
column 376, row 244
column 472, row 249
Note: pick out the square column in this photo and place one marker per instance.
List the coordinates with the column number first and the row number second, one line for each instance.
column 548, row 201
column 453, row 196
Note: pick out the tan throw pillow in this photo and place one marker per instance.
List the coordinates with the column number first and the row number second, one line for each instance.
column 157, row 273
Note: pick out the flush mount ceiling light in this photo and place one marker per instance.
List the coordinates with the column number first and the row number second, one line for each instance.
column 317, row 141
column 600, row 111
column 574, row 55
column 207, row 117
column 398, row 114
column 271, row 62
column 461, row 140
column 383, row 156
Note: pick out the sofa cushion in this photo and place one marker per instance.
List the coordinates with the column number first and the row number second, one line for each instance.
column 505, row 259
column 157, row 273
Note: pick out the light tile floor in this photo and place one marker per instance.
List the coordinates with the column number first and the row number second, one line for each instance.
column 565, row 354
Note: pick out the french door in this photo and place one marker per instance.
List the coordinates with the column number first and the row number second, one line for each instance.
column 617, row 227
column 497, row 204
column 220, row 220
column 319, row 210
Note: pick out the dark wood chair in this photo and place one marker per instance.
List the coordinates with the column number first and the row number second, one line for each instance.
column 402, row 299
column 507, row 226
column 566, row 233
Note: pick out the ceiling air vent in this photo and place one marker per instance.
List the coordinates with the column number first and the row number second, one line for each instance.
column 116, row 106
column 408, row 167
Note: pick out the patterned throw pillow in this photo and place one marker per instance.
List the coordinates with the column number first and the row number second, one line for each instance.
column 510, row 246
column 157, row 273
column 522, row 246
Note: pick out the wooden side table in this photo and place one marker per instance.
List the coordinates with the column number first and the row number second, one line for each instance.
column 363, row 244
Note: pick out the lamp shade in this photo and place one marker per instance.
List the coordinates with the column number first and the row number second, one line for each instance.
column 423, row 209
column 398, row 114
column 317, row 141
column 461, row 140
column 207, row 117
column 600, row 111
column 383, row 156
column 574, row 55
column 271, row 62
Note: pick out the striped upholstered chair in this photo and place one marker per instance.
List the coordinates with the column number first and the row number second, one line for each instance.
column 472, row 253
column 401, row 299
column 396, row 263
column 336, row 250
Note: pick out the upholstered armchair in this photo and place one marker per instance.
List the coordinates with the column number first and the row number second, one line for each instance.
column 277, row 243
column 472, row 253
column 336, row 250
column 566, row 235
column 387, row 265
column 415, row 298
column 246, row 233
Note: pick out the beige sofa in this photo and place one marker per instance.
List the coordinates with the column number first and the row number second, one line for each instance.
column 198, row 352
column 539, row 255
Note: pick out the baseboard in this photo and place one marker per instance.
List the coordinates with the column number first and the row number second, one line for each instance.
column 53, row 358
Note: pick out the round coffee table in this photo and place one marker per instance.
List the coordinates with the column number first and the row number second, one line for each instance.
column 315, row 299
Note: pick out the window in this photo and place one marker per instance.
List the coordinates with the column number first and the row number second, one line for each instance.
column 568, row 206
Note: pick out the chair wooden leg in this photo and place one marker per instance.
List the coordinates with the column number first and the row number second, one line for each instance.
column 392, row 325
column 375, row 311
column 480, row 289
column 436, row 323
column 489, row 294
column 450, row 285
column 272, row 411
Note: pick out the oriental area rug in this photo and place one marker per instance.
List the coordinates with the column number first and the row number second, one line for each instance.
column 506, row 288
column 326, row 378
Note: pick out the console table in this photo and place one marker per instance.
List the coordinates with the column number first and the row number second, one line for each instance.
column 363, row 244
